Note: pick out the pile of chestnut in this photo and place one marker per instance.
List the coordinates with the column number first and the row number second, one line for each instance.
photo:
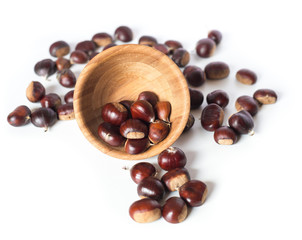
column 135, row 125
column 152, row 191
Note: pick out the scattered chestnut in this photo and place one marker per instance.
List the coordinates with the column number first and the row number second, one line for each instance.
column 217, row 70
column 92, row 55
column 175, row 178
column 79, row 57
column 175, row 210
column 134, row 129
column 66, row 112
column 151, row 97
column 43, row 118
column 265, row 96
column 196, row 98
column 143, row 110
column 145, row 210
column 242, row 122
column 212, row 117
column 68, row 98
column 35, row 91
column 136, row 146
column 20, row 116
column 59, row 49
column 194, row 192
column 62, row 63
column 172, row 45
column 225, row 135
column 66, row 78
column 158, row 131
column 205, row 47
column 147, row 40
column 141, row 171
column 246, row 76
column 162, row 48
column 124, row 34
column 194, row 75
column 181, row 57
column 45, row 68
column 172, row 157
column 109, row 46
column 215, row 35
column 151, row 187
column 86, row 46
column 102, row 39
column 51, row 100
column 219, row 97
column 190, row 122
column 110, row 134
column 163, row 110
column 247, row 103
column 114, row 113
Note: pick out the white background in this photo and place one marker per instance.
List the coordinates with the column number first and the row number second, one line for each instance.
column 55, row 185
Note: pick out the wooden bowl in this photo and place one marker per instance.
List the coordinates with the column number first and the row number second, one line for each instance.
column 121, row 73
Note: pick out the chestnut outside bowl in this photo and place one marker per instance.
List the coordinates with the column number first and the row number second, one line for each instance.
column 121, row 73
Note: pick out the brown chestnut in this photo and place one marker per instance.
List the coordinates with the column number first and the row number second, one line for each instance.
column 194, row 192
column 151, row 187
column 43, row 118
column 246, row 76
column 215, row 35
column 181, row 57
column 110, row 134
column 242, row 122
column 68, row 98
column 219, row 97
column 114, row 113
column 109, row 46
column 136, row 146
column 124, row 34
column 217, row 70
column 225, row 135
column 51, row 100
column 212, row 117
column 147, row 40
column 134, row 129
column 172, row 45
column 194, row 75
column 143, row 110
column 102, row 39
column 175, row 178
column 66, row 78
column 45, row 68
column 59, row 49
column 205, row 47
column 265, row 96
column 247, row 103
column 190, row 122
column 149, row 96
column 35, row 91
column 158, row 131
column 163, row 110
column 86, row 46
column 172, row 157
column 66, row 112
column 127, row 104
column 19, row 117
column 162, row 48
column 79, row 57
column 145, row 210
column 196, row 98
column 62, row 63
column 141, row 171
column 175, row 210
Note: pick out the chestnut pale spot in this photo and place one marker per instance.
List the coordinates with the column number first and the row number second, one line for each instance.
column 184, row 212
column 177, row 182
column 135, row 135
column 225, row 141
column 146, row 217
column 266, row 99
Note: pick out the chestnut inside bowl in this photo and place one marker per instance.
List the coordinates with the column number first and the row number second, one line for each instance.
column 121, row 73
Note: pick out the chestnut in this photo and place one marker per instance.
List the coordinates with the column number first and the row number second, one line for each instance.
column 172, row 45
column 141, row 171
column 158, row 131
column 265, row 96
column 219, row 97
column 86, row 46
column 246, row 76
column 212, row 117
column 114, row 113
column 59, row 49
column 215, row 35
column 102, row 39
column 242, row 122
column 163, row 110
column 216, row 70
column 92, row 55
column 134, row 129
column 124, row 34
column 194, row 192
column 205, row 47
column 66, row 78
column 172, row 157
column 162, row 48
column 196, row 98
column 51, row 100
column 147, row 40
column 175, row 178
column 110, row 134
column 66, row 112
column 190, row 122
column 19, row 117
column 181, row 57
column 194, row 75
column 62, row 63
column 127, row 104
column 136, row 146
column 151, row 187
column 79, row 57
column 225, row 135
column 35, row 91
column 247, row 103
column 175, row 210
column 109, row 46
column 45, row 68
column 145, row 210
column 68, row 98
column 143, row 110
column 151, row 97
column 43, row 118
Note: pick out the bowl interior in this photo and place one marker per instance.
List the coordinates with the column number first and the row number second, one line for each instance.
column 121, row 73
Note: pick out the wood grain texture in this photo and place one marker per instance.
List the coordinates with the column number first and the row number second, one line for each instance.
column 121, row 73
